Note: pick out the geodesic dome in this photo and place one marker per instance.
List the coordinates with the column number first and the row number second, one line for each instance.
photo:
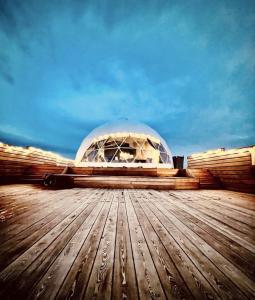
column 124, row 143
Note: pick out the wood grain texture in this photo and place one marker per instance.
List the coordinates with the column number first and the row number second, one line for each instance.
column 126, row 244
column 124, row 272
column 234, row 168
column 134, row 182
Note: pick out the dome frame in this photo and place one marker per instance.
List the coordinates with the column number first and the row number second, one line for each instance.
column 144, row 147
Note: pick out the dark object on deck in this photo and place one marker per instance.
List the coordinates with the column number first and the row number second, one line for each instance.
column 178, row 162
column 58, row 180
column 49, row 180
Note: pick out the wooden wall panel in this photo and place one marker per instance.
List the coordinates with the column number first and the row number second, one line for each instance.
column 18, row 163
column 235, row 168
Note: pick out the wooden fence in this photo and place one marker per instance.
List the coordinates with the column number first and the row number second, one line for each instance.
column 18, row 163
column 235, row 168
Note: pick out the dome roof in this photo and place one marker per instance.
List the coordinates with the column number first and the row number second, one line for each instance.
column 119, row 127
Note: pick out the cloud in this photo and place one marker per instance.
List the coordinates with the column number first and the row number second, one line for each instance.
column 186, row 70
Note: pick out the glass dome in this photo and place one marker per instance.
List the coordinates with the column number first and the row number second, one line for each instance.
column 124, row 143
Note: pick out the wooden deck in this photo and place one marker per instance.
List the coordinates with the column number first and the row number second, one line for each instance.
column 126, row 244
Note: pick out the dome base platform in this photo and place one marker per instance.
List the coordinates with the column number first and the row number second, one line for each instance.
column 135, row 182
column 119, row 182
column 131, row 178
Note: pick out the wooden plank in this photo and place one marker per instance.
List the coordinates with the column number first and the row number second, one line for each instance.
column 172, row 282
column 43, row 262
column 198, row 285
column 221, row 164
column 232, row 251
column 247, row 204
column 136, row 182
column 233, row 273
column 27, row 219
column 13, row 189
column 100, row 281
column 9, row 276
column 149, row 284
column 21, row 206
column 30, row 160
column 220, row 208
column 221, row 227
column 201, row 254
column 14, row 247
column 124, row 278
column 240, row 187
column 201, row 159
column 32, row 155
column 51, row 282
column 226, row 153
column 229, row 168
column 76, row 281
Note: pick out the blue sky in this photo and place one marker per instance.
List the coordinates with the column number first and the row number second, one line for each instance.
column 186, row 68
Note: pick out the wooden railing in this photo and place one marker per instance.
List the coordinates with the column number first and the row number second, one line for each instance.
column 234, row 168
column 21, row 163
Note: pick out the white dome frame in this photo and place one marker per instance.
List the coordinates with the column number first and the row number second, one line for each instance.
column 119, row 129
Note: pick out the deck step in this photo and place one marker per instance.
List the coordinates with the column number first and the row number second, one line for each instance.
column 135, row 182
column 206, row 179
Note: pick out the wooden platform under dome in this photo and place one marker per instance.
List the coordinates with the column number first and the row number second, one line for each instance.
column 135, row 182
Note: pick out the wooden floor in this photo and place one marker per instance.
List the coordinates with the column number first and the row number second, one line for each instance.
column 126, row 244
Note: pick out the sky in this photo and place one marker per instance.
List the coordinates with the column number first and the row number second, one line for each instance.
column 185, row 68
